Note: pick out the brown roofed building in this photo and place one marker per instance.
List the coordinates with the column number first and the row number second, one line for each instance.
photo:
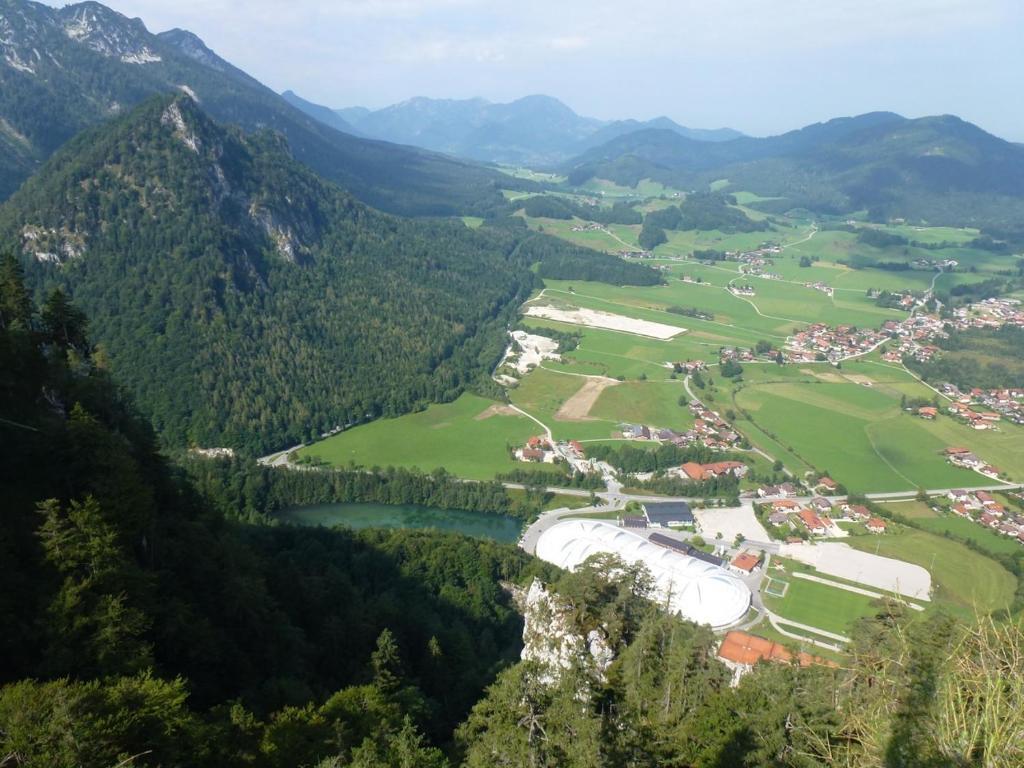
column 745, row 562
column 814, row 523
column 746, row 650
column 693, row 470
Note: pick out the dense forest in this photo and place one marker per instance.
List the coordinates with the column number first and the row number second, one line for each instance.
column 146, row 625
column 701, row 211
column 551, row 207
column 141, row 620
column 976, row 358
column 244, row 301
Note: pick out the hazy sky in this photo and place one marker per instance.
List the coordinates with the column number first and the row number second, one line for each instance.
column 761, row 66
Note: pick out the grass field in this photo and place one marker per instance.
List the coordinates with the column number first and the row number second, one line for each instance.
column 828, row 419
column 962, row 579
column 450, row 436
column 984, row 537
column 819, row 605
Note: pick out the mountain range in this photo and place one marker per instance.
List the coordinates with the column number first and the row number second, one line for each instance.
column 534, row 130
column 940, row 169
column 62, row 70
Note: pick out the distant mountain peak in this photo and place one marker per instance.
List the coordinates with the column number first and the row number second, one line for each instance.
column 192, row 46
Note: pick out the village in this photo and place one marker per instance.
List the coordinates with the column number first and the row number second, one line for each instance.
column 981, row 507
column 817, row 517
column 1005, row 402
column 819, row 342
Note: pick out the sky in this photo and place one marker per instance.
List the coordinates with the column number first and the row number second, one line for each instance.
column 760, row 66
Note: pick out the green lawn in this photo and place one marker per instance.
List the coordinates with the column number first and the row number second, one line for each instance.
column 962, row 579
column 449, row 436
column 818, row 605
column 655, row 403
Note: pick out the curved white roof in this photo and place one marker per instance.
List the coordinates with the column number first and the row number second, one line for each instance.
column 701, row 592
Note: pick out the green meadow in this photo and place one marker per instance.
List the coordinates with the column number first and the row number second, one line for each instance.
column 828, row 419
column 454, row 436
column 963, row 580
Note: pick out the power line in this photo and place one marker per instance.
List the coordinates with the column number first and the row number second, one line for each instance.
column 16, row 424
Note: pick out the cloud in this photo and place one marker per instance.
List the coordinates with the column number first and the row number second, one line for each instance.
column 568, row 43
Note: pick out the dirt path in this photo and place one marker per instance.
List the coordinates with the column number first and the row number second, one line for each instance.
column 577, row 407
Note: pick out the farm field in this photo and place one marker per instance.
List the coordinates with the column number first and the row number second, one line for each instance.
column 455, row 436
column 831, row 421
column 645, row 402
column 962, row 579
column 855, row 433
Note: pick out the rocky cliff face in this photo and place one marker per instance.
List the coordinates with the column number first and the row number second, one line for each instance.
column 552, row 638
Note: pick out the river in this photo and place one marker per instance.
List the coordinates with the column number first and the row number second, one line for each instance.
column 366, row 515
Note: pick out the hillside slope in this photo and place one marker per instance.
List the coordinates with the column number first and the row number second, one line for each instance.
column 243, row 300
column 939, row 169
column 62, row 70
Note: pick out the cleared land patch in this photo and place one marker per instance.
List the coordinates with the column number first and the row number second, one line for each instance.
column 965, row 580
column 577, row 407
column 591, row 318
column 495, row 410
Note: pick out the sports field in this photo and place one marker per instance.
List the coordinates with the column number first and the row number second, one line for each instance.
column 468, row 437
column 818, row 605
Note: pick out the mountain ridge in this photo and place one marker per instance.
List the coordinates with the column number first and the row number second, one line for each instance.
column 63, row 70
column 936, row 168
column 534, row 129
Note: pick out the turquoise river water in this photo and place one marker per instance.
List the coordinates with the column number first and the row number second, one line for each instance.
column 358, row 515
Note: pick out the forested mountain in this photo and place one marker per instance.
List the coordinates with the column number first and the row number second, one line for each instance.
column 62, row 70
column 246, row 302
column 243, row 300
column 143, row 628
column 534, row 130
column 939, row 169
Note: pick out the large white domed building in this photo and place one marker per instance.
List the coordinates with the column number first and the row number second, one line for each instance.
column 698, row 591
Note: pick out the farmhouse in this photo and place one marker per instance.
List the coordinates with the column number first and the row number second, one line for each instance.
column 821, row 504
column 699, row 472
column 813, row 523
column 667, row 514
column 827, row 483
column 859, row 512
column 928, row 412
column 698, row 591
column 876, row 525
column 785, row 505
